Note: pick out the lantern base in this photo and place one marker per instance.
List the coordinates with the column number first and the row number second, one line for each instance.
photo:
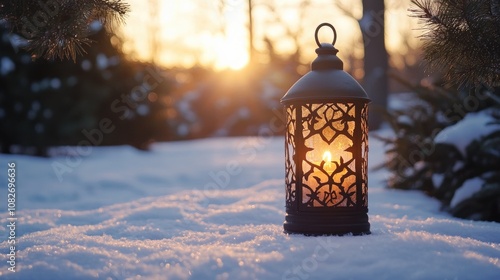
column 317, row 223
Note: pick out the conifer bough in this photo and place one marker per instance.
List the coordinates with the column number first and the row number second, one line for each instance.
column 60, row 28
column 462, row 39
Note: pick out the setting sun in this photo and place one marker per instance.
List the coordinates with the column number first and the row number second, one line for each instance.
column 215, row 34
column 230, row 55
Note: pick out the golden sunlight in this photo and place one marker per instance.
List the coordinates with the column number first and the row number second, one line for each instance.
column 216, row 33
column 230, row 54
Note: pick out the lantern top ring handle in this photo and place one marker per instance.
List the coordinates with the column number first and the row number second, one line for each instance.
column 319, row 27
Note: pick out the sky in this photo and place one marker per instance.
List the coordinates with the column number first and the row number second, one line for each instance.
column 214, row 33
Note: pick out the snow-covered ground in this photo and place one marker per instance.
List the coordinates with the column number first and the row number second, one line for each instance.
column 213, row 209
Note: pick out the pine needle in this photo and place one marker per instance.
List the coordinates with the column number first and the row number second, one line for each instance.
column 59, row 28
column 461, row 39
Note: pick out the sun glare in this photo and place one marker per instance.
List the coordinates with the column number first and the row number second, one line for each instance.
column 210, row 34
column 230, row 56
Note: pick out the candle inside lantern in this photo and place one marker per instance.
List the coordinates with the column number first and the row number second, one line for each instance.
column 327, row 158
column 332, row 173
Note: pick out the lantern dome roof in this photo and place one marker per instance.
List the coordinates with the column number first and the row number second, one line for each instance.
column 326, row 81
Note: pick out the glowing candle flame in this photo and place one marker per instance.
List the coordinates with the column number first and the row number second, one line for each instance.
column 327, row 158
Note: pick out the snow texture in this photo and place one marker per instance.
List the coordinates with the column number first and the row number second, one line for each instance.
column 213, row 209
column 467, row 190
column 472, row 127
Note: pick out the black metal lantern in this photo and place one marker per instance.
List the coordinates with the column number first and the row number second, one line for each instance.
column 326, row 149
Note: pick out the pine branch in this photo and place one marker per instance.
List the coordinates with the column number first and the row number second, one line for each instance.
column 424, row 11
column 59, row 28
column 461, row 39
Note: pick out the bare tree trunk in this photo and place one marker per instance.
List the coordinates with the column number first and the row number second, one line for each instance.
column 154, row 23
column 250, row 33
column 375, row 80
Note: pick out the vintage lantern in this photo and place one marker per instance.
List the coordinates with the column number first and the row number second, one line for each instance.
column 326, row 149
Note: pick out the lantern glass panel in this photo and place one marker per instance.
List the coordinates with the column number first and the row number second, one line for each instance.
column 364, row 154
column 290, row 177
column 333, row 164
column 329, row 166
